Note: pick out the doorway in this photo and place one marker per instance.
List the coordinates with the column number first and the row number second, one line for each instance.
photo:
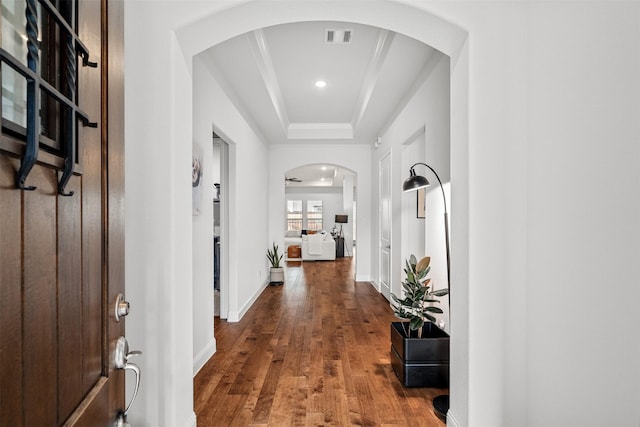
column 165, row 261
column 320, row 197
column 220, row 174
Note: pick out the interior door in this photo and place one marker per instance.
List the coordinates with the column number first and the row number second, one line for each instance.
column 61, row 213
column 385, row 226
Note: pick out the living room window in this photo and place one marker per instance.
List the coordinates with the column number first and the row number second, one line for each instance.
column 314, row 215
column 294, row 215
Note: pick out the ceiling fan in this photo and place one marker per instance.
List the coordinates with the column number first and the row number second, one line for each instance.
column 292, row 179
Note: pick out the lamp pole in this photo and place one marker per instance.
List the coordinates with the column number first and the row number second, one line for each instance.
column 415, row 182
column 412, row 174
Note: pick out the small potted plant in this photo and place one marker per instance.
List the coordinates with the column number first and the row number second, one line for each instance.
column 419, row 349
column 276, row 273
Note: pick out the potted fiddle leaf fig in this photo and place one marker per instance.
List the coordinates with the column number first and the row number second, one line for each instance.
column 419, row 348
column 276, row 273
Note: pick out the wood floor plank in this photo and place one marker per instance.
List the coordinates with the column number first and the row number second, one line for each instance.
column 265, row 398
column 289, row 407
column 368, row 410
column 314, row 352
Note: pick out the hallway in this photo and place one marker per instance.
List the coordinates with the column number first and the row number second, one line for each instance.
column 310, row 353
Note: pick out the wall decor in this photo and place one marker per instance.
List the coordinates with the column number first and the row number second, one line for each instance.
column 422, row 201
column 196, row 179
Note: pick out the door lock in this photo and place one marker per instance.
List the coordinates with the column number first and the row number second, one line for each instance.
column 121, row 308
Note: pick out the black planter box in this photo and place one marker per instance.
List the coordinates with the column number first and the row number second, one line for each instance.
column 420, row 362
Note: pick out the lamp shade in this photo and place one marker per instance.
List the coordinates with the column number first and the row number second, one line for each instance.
column 415, row 182
column 342, row 219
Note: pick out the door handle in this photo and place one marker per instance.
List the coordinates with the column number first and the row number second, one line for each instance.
column 121, row 361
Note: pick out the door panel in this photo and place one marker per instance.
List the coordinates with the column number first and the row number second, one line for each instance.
column 70, row 386
column 40, row 354
column 10, row 296
column 62, row 257
column 90, row 153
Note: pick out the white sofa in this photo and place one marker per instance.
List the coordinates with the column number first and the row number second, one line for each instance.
column 318, row 247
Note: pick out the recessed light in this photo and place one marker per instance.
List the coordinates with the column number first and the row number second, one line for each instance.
column 321, row 83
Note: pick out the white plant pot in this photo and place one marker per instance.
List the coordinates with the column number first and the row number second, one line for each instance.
column 276, row 276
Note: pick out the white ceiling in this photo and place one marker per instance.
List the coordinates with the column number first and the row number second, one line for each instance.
column 316, row 175
column 270, row 73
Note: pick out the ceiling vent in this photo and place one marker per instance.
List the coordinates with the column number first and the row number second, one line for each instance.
column 338, row 36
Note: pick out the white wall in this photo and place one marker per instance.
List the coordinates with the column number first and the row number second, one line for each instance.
column 357, row 158
column 247, row 193
column 413, row 228
column 204, row 343
column 420, row 133
column 158, row 219
column 582, row 160
column 216, row 161
column 545, row 207
column 425, row 236
column 349, row 196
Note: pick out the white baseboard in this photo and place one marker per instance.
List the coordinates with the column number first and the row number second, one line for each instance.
column 191, row 422
column 362, row 278
column 235, row 316
column 451, row 419
column 373, row 284
column 203, row 356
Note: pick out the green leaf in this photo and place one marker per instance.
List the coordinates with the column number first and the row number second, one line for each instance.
column 416, row 323
column 416, row 305
column 411, row 277
column 273, row 256
column 423, row 273
column 412, row 260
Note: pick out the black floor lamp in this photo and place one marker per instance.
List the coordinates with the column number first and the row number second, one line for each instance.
column 415, row 182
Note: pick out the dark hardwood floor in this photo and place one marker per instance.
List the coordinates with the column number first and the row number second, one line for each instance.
column 313, row 352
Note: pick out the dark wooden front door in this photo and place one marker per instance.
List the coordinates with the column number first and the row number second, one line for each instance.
column 62, row 242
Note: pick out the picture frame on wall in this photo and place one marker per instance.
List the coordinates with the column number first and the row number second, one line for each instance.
column 196, row 180
column 422, row 200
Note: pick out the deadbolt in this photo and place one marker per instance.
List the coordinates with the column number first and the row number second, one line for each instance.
column 122, row 307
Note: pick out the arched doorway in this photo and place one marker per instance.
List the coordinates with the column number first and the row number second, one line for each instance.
column 210, row 23
column 323, row 197
column 415, row 23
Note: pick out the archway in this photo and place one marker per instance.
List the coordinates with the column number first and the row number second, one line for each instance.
column 425, row 27
column 205, row 24
column 332, row 189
